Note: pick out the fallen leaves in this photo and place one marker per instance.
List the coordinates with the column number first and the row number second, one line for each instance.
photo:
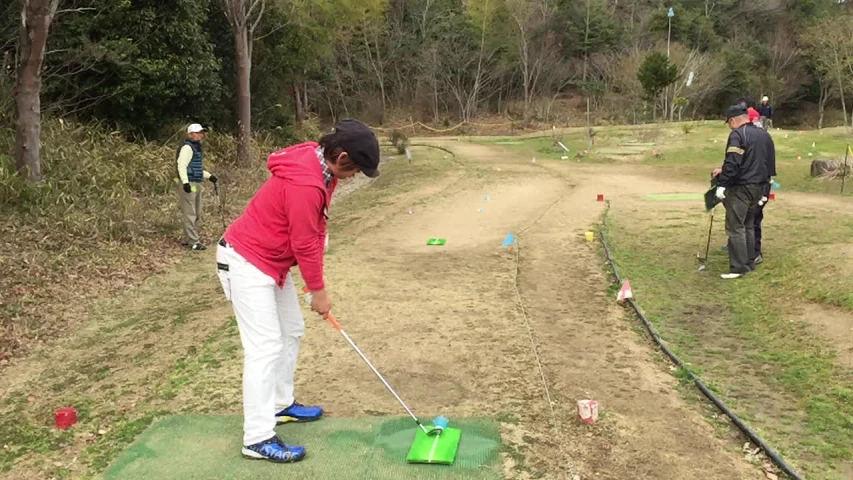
column 755, row 456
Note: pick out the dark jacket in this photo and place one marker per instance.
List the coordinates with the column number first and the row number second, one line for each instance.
column 765, row 110
column 749, row 155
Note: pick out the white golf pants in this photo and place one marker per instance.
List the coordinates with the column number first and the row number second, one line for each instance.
column 271, row 327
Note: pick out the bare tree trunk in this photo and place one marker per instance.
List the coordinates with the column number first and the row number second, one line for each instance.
column 297, row 105
column 841, row 88
column 473, row 100
column 36, row 17
column 341, row 93
column 376, row 63
column 244, row 97
column 243, row 16
column 586, row 43
column 306, row 106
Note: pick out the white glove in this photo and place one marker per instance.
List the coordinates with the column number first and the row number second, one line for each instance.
column 762, row 201
column 721, row 193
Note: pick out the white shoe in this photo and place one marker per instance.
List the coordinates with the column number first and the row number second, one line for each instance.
column 729, row 276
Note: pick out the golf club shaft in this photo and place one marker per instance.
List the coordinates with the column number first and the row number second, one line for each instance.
column 378, row 375
column 710, row 229
column 331, row 319
column 219, row 201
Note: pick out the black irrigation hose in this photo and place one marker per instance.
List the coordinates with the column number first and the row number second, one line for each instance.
column 778, row 460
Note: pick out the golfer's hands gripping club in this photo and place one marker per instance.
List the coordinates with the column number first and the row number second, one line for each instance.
column 721, row 193
column 320, row 301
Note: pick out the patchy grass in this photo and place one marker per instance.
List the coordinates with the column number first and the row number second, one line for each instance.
column 105, row 218
column 739, row 336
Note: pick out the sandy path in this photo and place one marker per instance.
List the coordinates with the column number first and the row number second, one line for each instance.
column 445, row 325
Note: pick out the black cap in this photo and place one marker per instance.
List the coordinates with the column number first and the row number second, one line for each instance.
column 360, row 143
column 735, row 111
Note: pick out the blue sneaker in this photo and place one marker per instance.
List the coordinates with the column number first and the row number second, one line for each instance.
column 298, row 413
column 274, row 450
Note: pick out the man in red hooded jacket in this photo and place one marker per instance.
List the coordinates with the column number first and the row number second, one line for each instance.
column 285, row 225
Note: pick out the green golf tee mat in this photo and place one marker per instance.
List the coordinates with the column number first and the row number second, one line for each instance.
column 440, row 449
column 208, row 448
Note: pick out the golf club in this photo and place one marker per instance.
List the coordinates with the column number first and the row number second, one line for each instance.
column 220, row 201
column 331, row 319
column 704, row 258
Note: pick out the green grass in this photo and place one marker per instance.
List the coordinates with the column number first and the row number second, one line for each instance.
column 740, row 337
column 692, row 156
column 544, row 148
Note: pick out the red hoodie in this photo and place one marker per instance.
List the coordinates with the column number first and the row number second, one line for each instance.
column 285, row 222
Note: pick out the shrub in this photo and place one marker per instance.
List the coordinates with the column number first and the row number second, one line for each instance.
column 399, row 140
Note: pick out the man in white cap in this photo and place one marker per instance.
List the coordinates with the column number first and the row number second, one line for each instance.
column 191, row 173
column 765, row 112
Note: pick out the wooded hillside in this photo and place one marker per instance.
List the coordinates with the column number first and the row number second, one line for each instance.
column 144, row 66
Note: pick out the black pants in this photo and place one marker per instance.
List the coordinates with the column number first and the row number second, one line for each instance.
column 759, row 216
column 741, row 202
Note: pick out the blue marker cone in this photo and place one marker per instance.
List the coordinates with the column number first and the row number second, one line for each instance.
column 509, row 240
column 440, row 422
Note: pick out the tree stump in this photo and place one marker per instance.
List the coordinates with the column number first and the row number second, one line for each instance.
column 825, row 168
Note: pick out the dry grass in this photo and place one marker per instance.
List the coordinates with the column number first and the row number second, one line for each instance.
column 105, row 218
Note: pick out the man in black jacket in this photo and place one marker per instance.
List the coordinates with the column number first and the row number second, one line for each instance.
column 740, row 184
column 770, row 162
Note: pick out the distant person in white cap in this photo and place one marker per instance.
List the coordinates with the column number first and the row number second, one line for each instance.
column 191, row 173
column 765, row 112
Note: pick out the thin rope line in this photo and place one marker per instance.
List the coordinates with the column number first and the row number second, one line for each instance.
column 524, row 314
column 532, row 340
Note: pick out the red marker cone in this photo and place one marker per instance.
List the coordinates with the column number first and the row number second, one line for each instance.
column 624, row 292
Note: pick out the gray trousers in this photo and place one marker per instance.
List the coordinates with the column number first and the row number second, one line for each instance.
column 740, row 204
column 190, row 213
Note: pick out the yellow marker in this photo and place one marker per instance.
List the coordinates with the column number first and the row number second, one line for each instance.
column 589, row 236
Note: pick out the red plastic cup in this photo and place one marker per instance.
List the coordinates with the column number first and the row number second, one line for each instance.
column 65, row 418
column 587, row 411
column 772, row 196
column 600, row 197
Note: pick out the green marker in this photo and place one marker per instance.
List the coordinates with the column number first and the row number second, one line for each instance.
column 436, row 241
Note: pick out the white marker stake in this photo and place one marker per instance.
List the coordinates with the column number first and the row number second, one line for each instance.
column 690, row 79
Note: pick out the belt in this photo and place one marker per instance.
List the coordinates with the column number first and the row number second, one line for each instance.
column 223, row 243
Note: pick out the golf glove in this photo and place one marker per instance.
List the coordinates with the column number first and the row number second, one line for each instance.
column 188, row 188
column 721, row 193
column 213, row 179
column 762, row 201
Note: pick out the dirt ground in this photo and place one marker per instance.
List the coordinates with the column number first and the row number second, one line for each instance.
column 457, row 329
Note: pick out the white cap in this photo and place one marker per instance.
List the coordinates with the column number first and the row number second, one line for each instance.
column 764, row 98
column 195, row 128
